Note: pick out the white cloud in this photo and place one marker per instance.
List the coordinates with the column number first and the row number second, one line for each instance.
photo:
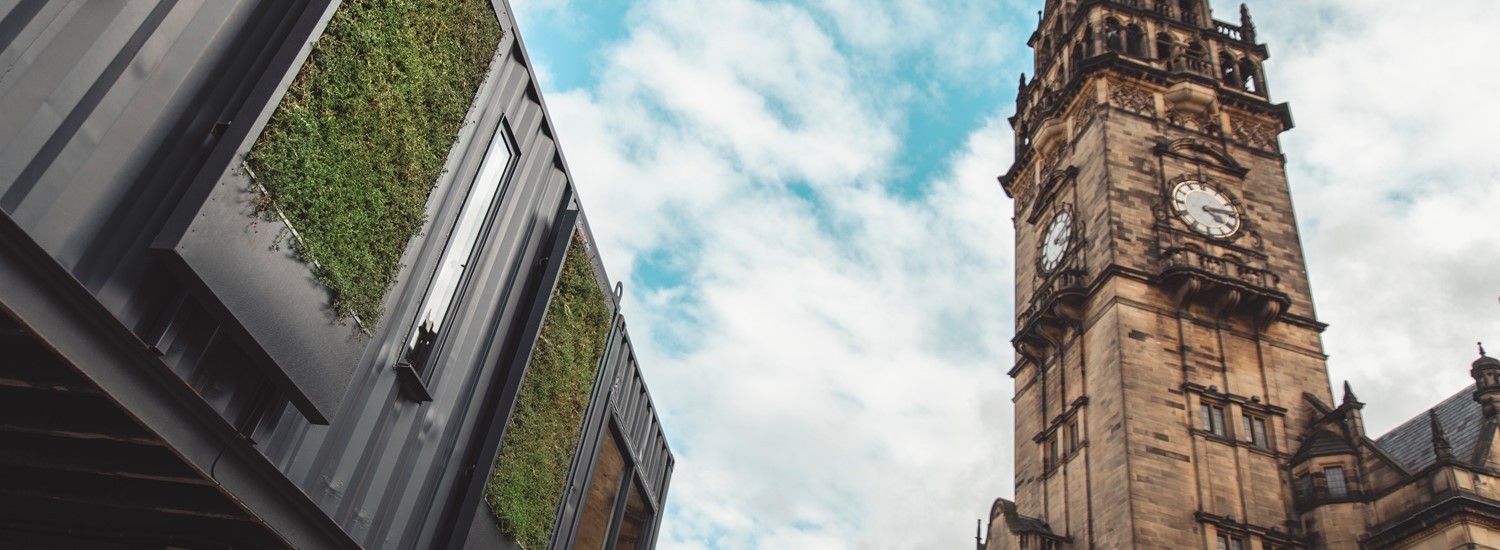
column 1395, row 170
column 831, row 362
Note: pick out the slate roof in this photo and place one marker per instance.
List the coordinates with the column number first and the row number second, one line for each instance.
column 1034, row 525
column 1322, row 443
column 1411, row 442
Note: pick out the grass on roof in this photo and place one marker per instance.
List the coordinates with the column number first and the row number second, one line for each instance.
column 361, row 137
column 527, row 482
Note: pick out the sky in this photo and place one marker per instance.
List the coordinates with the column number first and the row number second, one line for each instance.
column 800, row 199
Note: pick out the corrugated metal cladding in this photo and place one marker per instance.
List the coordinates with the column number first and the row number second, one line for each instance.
column 621, row 408
column 113, row 114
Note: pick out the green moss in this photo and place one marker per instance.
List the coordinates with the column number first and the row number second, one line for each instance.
column 528, row 479
column 362, row 134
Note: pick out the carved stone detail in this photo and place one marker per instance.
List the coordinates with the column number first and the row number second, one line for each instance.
column 1132, row 99
column 1206, row 121
column 1253, row 134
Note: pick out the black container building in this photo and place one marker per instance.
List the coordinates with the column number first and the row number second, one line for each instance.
column 170, row 377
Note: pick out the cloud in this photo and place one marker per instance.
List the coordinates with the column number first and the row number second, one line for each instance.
column 828, row 347
column 1397, row 184
column 829, row 353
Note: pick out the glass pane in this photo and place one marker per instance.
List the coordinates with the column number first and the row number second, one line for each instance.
column 1336, row 486
column 459, row 250
column 1260, row 433
column 599, row 508
column 637, row 519
column 1218, row 415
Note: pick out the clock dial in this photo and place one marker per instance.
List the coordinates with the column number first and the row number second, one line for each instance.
column 1205, row 209
column 1056, row 240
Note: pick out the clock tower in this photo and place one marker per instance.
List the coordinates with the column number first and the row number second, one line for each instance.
column 1168, row 360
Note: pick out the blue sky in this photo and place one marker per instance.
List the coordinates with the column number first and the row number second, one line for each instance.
column 801, row 200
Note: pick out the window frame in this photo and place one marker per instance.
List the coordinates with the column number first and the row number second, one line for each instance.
column 1212, row 416
column 1342, row 483
column 1256, row 431
column 419, row 353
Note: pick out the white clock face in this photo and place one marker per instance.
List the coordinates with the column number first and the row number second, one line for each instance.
column 1056, row 240
column 1205, row 209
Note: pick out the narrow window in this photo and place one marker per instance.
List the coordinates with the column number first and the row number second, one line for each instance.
column 1255, row 431
column 1248, row 79
column 1336, row 486
column 1088, row 40
column 1113, row 38
column 1135, row 41
column 443, row 291
column 1227, row 70
column 1073, row 436
column 1213, row 419
column 1163, row 45
column 1052, row 449
column 1305, row 482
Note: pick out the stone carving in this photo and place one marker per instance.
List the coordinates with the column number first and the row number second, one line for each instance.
column 1253, row 134
column 1133, row 99
column 1205, row 121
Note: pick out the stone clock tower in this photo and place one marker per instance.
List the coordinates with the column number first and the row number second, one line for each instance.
column 1167, row 355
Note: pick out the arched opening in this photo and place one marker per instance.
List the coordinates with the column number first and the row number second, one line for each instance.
column 1188, row 10
column 1249, row 76
column 1195, row 50
column 1164, row 44
column 1135, row 40
column 1114, row 35
column 1088, row 40
column 1228, row 70
column 1076, row 58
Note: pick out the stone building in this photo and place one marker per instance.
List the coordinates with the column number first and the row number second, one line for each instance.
column 1171, row 390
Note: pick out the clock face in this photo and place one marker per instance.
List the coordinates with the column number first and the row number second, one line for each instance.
column 1056, row 240
column 1206, row 209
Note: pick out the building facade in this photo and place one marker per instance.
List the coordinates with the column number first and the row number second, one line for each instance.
column 1170, row 382
column 172, row 376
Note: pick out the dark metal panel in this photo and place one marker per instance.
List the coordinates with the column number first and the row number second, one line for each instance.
column 622, row 400
column 40, row 294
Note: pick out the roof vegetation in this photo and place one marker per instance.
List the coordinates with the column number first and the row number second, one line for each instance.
column 527, row 482
column 361, row 137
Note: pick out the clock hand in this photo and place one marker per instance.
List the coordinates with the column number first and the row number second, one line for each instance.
column 1211, row 210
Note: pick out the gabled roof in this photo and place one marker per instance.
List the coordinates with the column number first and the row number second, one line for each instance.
column 1462, row 421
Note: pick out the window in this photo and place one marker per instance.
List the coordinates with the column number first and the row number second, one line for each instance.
column 1135, row 40
column 1164, row 45
column 1248, row 79
column 1227, row 542
column 1188, row 11
column 1049, row 454
column 1305, row 483
column 1228, row 70
column 1073, row 437
column 1114, row 35
column 1337, row 488
column 443, row 291
column 1213, row 419
column 1255, row 431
